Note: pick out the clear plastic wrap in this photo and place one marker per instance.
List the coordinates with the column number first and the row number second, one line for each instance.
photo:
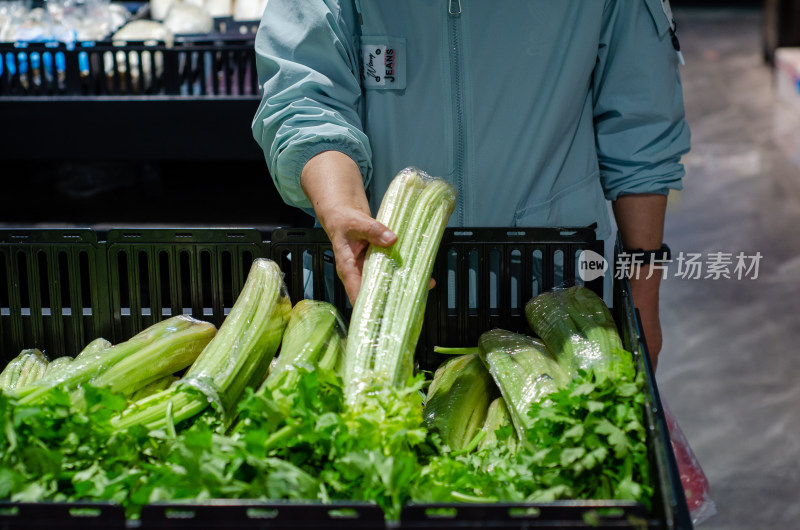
column 496, row 417
column 161, row 349
column 458, row 400
column 695, row 484
column 152, row 388
column 94, row 349
column 61, row 20
column 315, row 336
column 26, row 368
column 388, row 313
column 248, row 339
column 524, row 370
column 238, row 357
column 57, row 364
column 578, row 328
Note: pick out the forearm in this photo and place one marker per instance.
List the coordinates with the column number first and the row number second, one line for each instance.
column 640, row 219
column 332, row 182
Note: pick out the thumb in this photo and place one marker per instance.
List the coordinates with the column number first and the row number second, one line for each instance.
column 375, row 233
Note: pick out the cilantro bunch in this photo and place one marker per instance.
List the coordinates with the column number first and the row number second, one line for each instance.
column 587, row 441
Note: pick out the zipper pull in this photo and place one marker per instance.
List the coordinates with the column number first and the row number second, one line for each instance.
column 454, row 7
column 676, row 43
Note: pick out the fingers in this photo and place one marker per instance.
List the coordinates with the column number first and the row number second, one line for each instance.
column 368, row 229
column 349, row 269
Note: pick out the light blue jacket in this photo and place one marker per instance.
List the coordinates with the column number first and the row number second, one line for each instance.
column 537, row 110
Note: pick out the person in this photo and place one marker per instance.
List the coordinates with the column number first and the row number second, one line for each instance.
column 539, row 112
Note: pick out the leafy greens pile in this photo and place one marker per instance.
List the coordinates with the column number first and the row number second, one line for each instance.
column 305, row 443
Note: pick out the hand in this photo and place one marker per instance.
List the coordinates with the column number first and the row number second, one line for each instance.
column 351, row 232
column 332, row 181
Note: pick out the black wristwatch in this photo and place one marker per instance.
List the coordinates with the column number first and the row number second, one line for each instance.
column 661, row 255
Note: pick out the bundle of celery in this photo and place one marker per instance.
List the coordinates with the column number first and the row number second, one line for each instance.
column 524, row 370
column 388, row 312
column 458, row 400
column 27, row 367
column 315, row 335
column 162, row 349
column 577, row 326
column 569, row 424
column 236, row 358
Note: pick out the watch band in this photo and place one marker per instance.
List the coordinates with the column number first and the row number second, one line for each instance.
column 646, row 257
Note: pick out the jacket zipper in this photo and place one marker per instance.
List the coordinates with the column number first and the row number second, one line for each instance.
column 358, row 11
column 454, row 9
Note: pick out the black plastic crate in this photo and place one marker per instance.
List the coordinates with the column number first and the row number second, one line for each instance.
column 257, row 514
column 78, row 516
column 484, row 277
column 198, row 66
column 154, row 274
column 53, row 294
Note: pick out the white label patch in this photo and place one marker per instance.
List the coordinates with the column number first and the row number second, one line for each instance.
column 383, row 65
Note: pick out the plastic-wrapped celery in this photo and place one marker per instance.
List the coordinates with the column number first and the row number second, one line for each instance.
column 94, row 349
column 497, row 416
column 458, row 399
column 236, row 358
column 156, row 386
column 524, row 370
column 388, row 313
column 26, row 368
column 315, row 335
column 59, row 363
column 161, row 349
column 577, row 326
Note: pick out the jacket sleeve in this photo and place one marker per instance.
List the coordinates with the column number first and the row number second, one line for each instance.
column 640, row 127
column 308, row 70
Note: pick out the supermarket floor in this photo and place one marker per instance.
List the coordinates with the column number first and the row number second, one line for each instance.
column 729, row 367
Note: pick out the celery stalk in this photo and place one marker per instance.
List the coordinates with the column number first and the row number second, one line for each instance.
column 314, row 335
column 388, row 313
column 136, row 356
column 237, row 357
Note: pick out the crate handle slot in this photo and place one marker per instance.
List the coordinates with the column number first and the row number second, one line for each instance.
column 516, row 233
column 262, row 513
column 344, row 513
column 85, row 512
column 524, row 512
column 441, row 513
column 174, row 513
column 9, row 511
column 131, row 234
column 463, row 233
